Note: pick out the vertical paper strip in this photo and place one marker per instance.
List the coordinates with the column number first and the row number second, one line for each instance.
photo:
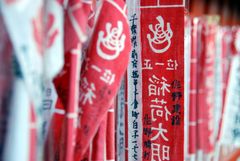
column 193, row 89
column 187, row 64
column 134, row 83
column 218, row 91
column 120, row 135
column 218, row 82
column 17, row 143
column 162, row 38
column 226, row 61
column 126, row 117
column 230, row 133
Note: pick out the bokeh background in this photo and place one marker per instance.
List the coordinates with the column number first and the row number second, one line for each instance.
column 229, row 10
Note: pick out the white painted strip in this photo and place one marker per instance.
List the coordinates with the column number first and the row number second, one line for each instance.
column 193, row 60
column 159, row 64
column 200, row 121
column 193, row 91
column 125, row 8
column 184, row 3
column 187, row 53
column 82, row 37
column 77, row 50
column 71, row 115
column 75, row 7
column 91, row 16
column 90, row 151
column 96, row 68
column 59, row 111
column 87, row 1
column 193, row 123
column 111, row 110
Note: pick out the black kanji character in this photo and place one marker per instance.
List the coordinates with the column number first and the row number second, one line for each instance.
column 135, row 156
column 135, row 124
column 134, row 54
column 135, row 114
column 176, row 120
column 135, row 147
column 134, row 29
column 133, row 19
column 147, row 144
column 134, row 63
column 147, row 120
column 121, row 133
column 135, row 74
column 135, row 82
column 176, row 84
column 121, row 142
column 135, row 104
column 134, row 41
column 147, row 131
column 146, row 155
column 135, row 135
column 176, row 108
column 176, row 96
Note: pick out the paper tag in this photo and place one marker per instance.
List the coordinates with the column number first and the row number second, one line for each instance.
column 230, row 134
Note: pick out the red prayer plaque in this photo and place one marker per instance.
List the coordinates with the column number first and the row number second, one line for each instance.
column 104, row 66
column 162, row 38
column 206, row 86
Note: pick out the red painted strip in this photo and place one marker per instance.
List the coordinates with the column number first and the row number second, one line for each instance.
column 163, row 85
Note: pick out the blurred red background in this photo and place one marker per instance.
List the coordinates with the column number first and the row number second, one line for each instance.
column 229, row 10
